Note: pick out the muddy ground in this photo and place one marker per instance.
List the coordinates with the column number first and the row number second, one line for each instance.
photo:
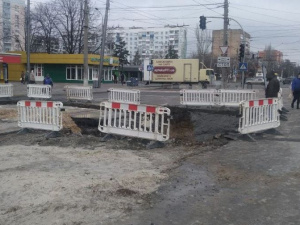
column 81, row 178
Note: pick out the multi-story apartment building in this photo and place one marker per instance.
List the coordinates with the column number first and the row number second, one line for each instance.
column 151, row 42
column 12, row 32
column 272, row 55
column 235, row 38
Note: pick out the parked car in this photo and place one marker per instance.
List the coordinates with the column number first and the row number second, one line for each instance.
column 255, row 80
column 287, row 80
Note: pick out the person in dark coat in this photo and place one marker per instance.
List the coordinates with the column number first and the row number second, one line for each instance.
column 122, row 78
column 296, row 91
column 273, row 86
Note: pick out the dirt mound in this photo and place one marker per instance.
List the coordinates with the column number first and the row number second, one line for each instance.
column 8, row 114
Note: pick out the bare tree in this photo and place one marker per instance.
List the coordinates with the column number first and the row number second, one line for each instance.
column 270, row 59
column 43, row 18
column 204, row 41
column 68, row 22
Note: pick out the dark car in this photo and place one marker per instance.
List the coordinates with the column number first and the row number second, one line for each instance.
column 287, row 80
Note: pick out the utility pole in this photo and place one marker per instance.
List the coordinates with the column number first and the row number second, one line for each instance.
column 225, row 39
column 104, row 27
column 28, row 39
column 85, row 45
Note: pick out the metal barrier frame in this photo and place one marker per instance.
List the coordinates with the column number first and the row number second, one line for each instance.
column 79, row 92
column 259, row 115
column 140, row 121
column 124, row 96
column 39, row 91
column 44, row 115
column 6, row 90
column 213, row 97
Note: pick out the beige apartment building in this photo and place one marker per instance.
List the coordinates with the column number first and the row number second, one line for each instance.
column 235, row 38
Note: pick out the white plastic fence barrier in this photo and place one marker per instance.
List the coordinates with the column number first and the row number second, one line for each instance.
column 259, row 115
column 141, row 121
column 6, row 90
column 39, row 91
column 197, row 97
column 42, row 115
column 234, row 97
column 124, row 96
column 79, row 92
column 280, row 99
column 212, row 97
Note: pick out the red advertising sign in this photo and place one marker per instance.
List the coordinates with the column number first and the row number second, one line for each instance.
column 164, row 70
column 10, row 58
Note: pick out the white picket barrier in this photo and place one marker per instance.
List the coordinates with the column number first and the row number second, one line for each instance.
column 79, row 92
column 39, row 91
column 259, row 115
column 198, row 97
column 141, row 121
column 124, row 96
column 234, row 97
column 6, row 90
column 44, row 115
column 213, row 97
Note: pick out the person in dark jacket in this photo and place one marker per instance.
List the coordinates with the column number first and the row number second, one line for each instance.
column 122, row 78
column 48, row 80
column 273, row 86
column 296, row 91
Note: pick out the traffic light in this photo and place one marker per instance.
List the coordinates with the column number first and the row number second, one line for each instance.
column 202, row 22
column 242, row 52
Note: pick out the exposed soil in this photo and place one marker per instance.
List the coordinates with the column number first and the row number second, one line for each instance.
column 79, row 177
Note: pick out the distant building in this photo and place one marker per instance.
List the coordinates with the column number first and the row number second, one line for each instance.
column 63, row 67
column 235, row 38
column 12, row 32
column 151, row 42
column 275, row 55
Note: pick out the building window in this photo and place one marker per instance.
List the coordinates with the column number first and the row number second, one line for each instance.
column 71, row 73
column 39, row 70
column 79, row 73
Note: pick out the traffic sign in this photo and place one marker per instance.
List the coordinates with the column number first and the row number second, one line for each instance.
column 223, row 62
column 149, row 67
column 224, row 49
column 243, row 66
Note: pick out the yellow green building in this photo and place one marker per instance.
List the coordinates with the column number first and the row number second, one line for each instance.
column 64, row 67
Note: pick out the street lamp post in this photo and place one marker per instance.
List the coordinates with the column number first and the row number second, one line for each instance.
column 103, row 44
column 100, row 53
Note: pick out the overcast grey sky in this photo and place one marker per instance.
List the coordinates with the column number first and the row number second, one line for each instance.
column 274, row 22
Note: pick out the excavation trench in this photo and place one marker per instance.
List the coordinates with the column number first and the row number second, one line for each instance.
column 192, row 125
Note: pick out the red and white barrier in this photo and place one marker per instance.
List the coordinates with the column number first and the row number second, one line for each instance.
column 42, row 115
column 259, row 115
column 141, row 121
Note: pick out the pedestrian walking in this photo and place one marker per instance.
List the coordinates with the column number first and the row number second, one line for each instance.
column 115, row 78
column 32, row 77
column 273, row 86
column 26, row 78
column 22, row 77
column 122, row 78
column 296, row 91
column 48, row 80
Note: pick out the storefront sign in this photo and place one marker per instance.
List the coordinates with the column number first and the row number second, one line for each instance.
column 10, row 58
